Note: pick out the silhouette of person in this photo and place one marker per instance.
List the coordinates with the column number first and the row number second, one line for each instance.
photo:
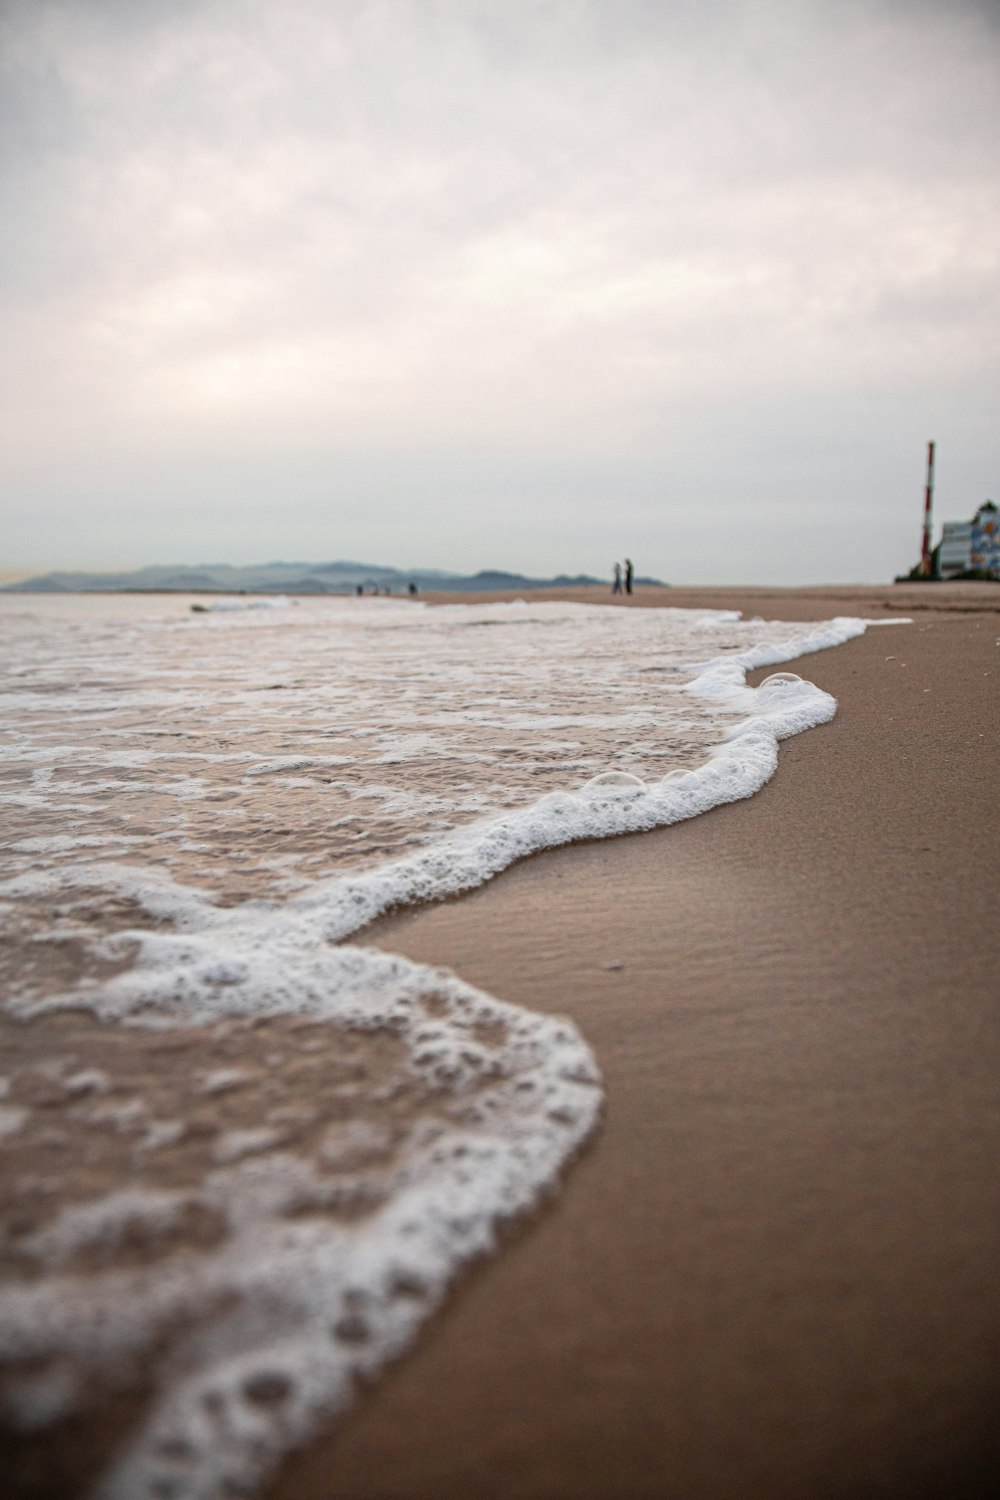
column 628, row 575
column 616, row 587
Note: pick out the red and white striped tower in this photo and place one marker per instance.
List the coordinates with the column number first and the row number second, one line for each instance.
column 925, row 548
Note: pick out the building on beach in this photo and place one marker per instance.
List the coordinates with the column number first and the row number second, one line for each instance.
column 971, row 546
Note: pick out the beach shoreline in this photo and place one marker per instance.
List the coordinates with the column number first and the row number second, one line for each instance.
column 770, row 1271
column 770, row 601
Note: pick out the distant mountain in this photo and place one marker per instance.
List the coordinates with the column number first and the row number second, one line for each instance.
column 291, row 578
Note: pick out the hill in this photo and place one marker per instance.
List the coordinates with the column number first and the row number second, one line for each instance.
column 290, row 578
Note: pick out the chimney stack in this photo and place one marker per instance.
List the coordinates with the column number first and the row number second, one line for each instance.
column 925, row 548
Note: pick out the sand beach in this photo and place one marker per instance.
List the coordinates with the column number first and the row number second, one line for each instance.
column 466, row 1032
column 771, row 1270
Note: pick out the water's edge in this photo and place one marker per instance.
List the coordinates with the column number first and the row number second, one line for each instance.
column 513, row 1096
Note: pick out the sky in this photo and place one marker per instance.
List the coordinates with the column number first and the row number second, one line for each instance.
column 527, row 284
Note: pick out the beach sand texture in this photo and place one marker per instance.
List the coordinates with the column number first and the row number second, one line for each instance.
column 772, row 1271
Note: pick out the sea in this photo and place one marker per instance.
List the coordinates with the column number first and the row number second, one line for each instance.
column 245, row 1155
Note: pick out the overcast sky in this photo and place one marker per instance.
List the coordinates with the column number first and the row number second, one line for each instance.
column 517, row 283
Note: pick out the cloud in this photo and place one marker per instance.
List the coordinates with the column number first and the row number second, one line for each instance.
column 516, row 241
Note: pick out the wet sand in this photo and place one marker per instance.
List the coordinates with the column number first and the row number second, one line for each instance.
column 773, row 1271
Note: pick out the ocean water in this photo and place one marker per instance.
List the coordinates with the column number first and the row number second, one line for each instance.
column 243, row 1155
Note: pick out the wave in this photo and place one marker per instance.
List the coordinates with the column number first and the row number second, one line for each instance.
column 329, row 1235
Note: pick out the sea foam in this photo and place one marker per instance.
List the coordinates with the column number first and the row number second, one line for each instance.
column 363, row 1123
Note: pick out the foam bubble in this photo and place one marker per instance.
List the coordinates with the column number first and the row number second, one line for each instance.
column 623, row 780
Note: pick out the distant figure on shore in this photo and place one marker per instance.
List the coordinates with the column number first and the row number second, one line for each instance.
column 628, row 575
column 359, row 590
column 413, row 590
column 616, row 587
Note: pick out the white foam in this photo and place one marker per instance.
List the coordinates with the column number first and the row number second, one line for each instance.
column 235, row 1144
column 87, row 1081
column 11, row 1119
column 318, row 1302
column 102, row 1222
column 221, row 1080
column 161, row 1133
column 612, row 803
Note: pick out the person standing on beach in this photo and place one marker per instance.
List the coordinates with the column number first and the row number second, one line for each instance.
column 616, row 587
column 628, row 575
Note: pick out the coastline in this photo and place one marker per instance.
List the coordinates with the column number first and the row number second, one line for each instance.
column 769, row 1272
column 774, row 602
column 773, row 1270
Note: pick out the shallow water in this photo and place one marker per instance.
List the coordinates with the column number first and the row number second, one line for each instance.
column 294, row 743
column 260, row 1181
